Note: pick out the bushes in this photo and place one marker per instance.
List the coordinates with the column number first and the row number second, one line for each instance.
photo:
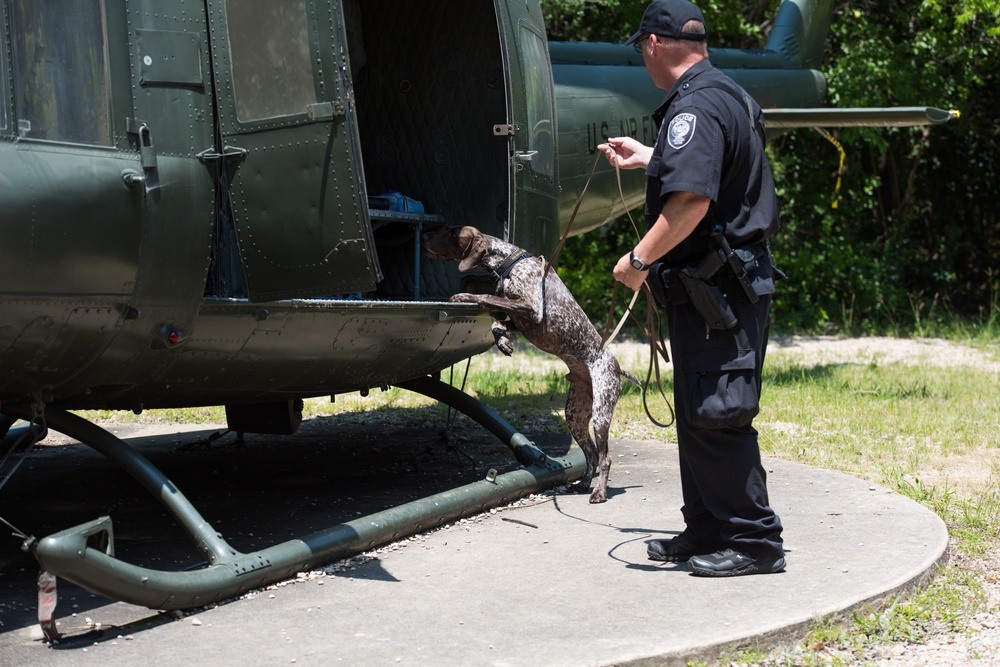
column 914, row 239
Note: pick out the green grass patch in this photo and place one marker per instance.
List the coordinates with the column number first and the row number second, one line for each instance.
column 895, row 425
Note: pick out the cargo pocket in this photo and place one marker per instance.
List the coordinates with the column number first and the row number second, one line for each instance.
column 724, row 398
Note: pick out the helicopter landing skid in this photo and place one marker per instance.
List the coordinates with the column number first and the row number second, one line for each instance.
column 84, row 554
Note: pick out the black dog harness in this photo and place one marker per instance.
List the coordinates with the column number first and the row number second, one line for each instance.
column 505, row 268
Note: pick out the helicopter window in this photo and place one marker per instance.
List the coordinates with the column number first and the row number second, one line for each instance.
column 60, row 71
column 272, row 62
column 538, row 89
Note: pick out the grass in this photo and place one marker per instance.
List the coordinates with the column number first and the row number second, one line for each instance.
column 896, row 419
column 931, row 432
column 897, row 425
column 943, row 606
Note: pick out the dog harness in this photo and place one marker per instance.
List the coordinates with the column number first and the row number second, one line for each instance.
column 505, row 268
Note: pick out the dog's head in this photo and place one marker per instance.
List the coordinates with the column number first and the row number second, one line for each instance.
column 464, row 244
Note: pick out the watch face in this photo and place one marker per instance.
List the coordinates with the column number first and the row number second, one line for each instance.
column 638, row 264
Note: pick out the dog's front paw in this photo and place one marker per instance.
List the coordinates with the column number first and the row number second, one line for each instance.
column 463, row 297
column 504, row 344
column 500, row 337
column 580, row 486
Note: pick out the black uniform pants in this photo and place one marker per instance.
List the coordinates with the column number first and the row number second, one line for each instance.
column 717, row 383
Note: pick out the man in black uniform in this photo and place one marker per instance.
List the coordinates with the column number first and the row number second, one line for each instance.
column 710, row 208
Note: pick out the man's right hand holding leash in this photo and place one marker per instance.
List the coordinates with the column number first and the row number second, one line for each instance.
column 680, row 215
column 626, row 153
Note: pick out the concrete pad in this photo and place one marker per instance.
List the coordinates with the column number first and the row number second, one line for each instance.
column 549, row 581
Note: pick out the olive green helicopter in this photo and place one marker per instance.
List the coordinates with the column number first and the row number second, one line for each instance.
column 220, row 202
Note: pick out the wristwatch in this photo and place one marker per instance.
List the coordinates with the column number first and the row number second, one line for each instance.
column 637, row 263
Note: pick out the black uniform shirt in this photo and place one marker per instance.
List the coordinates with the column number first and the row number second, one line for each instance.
column 704, row 146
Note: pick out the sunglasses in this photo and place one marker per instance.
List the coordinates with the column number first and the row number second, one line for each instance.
column 638, row 46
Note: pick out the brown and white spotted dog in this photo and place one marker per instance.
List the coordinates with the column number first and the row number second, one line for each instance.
column 550, row 318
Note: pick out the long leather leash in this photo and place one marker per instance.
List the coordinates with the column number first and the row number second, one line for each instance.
column 572, row 217
column 652, row 327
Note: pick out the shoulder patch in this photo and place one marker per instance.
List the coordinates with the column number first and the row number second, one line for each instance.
column 681, row 130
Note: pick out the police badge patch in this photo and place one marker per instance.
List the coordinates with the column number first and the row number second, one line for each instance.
column 681, row 130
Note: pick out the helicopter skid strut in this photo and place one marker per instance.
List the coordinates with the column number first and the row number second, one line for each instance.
column 84, row 554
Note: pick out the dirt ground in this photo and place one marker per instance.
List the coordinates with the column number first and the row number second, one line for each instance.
column 817, row 350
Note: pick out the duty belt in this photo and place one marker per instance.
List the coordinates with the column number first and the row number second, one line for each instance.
column 746, row 258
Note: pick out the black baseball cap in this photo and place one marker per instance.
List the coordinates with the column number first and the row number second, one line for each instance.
column 667, row 18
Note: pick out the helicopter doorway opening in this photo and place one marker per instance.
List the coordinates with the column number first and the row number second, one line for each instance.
column 430, row 85
column 389, row 100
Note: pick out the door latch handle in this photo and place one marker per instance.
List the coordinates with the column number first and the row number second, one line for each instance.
column 144, row 138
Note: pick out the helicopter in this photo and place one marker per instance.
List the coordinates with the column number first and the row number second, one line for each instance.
column 220, row 202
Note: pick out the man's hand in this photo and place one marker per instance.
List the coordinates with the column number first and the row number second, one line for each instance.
column 680, row 216
column 626, row 274
column 626, row 152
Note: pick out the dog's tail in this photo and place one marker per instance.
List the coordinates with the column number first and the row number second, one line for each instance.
column 631, row 378
column 622, row 373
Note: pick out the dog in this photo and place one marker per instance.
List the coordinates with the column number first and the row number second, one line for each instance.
column 544, row 311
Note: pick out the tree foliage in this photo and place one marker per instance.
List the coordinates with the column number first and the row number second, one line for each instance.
column 733, row 24
column 912, row 236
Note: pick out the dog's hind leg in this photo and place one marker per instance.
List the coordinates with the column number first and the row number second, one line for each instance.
column 607, row 389
column 578, row 411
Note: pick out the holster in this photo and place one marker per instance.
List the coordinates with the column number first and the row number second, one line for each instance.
column 696, row 283
column 706, row 296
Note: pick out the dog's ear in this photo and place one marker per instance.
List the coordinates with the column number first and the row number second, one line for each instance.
column 474, row 246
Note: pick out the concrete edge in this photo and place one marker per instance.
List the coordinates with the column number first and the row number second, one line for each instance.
column 790, row 634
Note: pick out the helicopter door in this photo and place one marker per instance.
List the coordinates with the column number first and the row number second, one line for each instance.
column 288, row 138
column 533, row 132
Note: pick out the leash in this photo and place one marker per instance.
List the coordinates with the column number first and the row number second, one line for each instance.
column 652, row 327
column 657, row 349
column 546, row 265
column 614, row 295
column 572, row 217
